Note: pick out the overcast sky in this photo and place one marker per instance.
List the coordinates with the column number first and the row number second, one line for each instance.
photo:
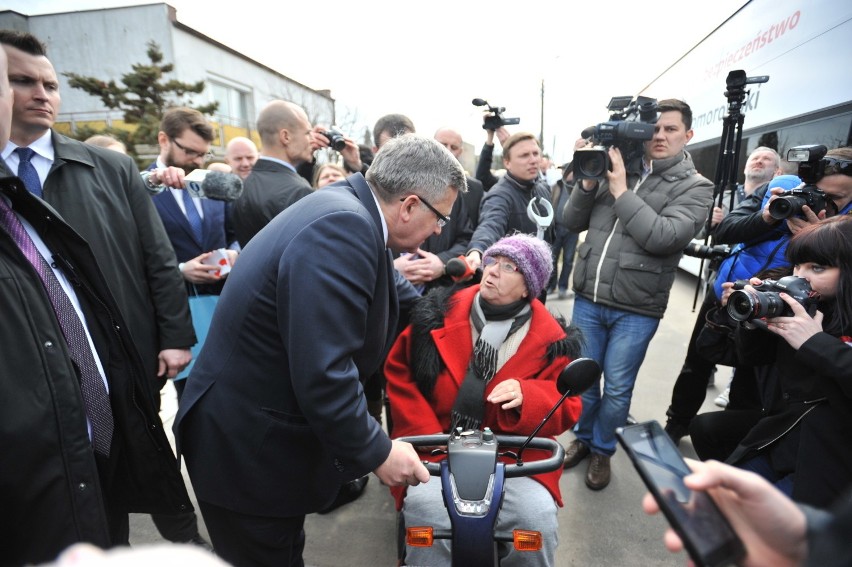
column 429, row 59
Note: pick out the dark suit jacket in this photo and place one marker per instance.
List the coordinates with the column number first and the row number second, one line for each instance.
column 214, row 229
column 100, row 194
column 473, row 199
column 268, row 190
column 273, row 419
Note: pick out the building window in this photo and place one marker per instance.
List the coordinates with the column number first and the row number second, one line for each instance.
column 233, row 105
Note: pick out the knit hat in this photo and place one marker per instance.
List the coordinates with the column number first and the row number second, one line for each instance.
column 532, row 256
column 786, row 182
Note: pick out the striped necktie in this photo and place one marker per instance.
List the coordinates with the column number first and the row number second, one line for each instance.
column 95, row 397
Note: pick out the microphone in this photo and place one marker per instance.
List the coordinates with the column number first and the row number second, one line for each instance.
column 460, row 270
column 588, row 132
column 205, row 184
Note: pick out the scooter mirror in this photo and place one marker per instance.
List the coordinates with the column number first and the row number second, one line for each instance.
column 578, row 376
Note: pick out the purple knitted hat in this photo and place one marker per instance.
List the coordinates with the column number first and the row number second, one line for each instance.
column 532, row 256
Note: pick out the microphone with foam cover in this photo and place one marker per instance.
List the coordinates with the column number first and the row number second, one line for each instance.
column 215, row 185
column 205, row 184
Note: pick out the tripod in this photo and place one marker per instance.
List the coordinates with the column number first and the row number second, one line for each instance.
column 727, row 164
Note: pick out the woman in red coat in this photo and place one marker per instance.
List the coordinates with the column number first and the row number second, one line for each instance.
column 486, row 356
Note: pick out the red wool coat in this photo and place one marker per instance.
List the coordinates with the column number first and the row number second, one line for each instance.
column 414, row 414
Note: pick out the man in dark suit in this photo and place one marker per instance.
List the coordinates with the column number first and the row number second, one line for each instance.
column 274, row 420
column 274, row 183
column 196, row 227
column 62, row 338
column 100, row 194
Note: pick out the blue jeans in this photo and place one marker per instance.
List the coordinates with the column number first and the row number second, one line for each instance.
column 763, row 466
column 617, row 340
column 564, row 244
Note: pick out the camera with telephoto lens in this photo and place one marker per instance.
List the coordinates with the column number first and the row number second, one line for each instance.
column 335, row 139
column 811, row 169
column 718, row 252
column 765, row 301
column 714, row 254
column 496, row 119
column 631, row 123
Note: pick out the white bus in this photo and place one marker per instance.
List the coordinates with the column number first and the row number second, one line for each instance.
column 804, row 46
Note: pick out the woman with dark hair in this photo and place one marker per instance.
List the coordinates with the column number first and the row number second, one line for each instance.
column 803, row 444
column 487, row 355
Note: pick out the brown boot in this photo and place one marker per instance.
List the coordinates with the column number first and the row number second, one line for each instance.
column 575, row 452
column 597, row 477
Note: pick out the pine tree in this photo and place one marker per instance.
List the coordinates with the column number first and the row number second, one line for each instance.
column 143, row 95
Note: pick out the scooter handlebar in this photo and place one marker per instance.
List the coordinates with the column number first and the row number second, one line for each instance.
column 555, row 461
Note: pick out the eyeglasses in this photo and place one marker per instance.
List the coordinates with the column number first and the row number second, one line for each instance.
column 192, row 154
column 835, row 165
column 442, row 219
column 506, row 267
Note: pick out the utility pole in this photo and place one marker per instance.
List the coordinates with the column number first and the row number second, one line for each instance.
column 541, row 129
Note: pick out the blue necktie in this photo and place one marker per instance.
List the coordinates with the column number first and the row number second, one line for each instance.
column 192, row 216
column 96, row 401
column 27, row 172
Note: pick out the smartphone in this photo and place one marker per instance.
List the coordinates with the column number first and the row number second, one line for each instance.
column 706, row 534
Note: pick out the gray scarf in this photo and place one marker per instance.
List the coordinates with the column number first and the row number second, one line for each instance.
column 494, row 324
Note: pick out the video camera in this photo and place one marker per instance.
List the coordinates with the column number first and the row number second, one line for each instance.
column 495, row 120
column 765, row 301
column 631, row 122
column 812, row 167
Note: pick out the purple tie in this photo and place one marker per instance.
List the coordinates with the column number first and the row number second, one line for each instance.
column 95, row 397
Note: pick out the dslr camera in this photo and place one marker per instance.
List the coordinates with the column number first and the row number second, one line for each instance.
column 630, row 124
column 496, row 119
column 765, row 301
column 335, row 139
column 812, row 164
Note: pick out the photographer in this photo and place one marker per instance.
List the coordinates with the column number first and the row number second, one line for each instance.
column 763, row 244
column 695, row 375
column 638, row 223
column 801, row 446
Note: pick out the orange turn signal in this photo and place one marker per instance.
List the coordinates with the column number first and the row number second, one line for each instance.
column 419, row 536
column 527, row 540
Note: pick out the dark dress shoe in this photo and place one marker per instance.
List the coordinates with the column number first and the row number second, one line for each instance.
column 598, row 475
column 349, row 492
column 575, row 452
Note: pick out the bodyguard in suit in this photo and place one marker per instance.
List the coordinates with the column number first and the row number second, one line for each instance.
column 100, row 194
column 273, row 185
column 68, row 363
column 274, row 420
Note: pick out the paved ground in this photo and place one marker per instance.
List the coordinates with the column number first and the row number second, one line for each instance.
column 604, row 528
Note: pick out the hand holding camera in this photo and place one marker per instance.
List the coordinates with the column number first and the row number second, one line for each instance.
column 494, row 119
column 769, row 304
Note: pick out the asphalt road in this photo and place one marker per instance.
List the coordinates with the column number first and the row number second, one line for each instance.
column 606, row 528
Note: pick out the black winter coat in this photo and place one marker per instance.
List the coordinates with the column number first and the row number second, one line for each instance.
column 52, row 491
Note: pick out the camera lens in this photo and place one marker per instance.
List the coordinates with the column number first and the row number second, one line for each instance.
column 591, row 164
column 785, row 207
column 741, row 306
